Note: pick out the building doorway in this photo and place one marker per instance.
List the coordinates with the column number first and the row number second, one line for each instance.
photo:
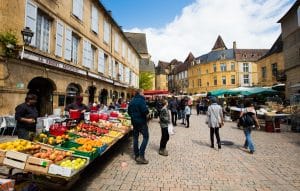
column 92, row 91
column 43, row 88
column 72, row 90
column 103, row 96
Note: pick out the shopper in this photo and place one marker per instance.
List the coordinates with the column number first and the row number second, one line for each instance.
column 138, row 112
column 78, row 105
column 215, row 121
column 26, row 115
column 187, row 112
column 164, row 122
column 182, row 107
column 173, row 107
column 249, row 121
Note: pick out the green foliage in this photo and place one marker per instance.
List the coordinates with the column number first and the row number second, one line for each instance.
column 146, row 80
column 9, row 42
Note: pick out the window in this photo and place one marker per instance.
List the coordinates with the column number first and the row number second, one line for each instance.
column 274, row 69
column 245, row 67
column 31, row 16
column 199, row 83
column 207, row 83
column 215, row 67
column 126, row 74
column 93, row 54
column 59, row 39
column 110, row 67
column 74, row 53
column 106, row 32
column 121, row 77
column 232, row 66
column 223, row 67
column 101, row 61
column 68, row 44
column 246, row 78
column 106, row 63
column 199, row 72
column 224, row 80
column 94, row 19
column 78, row 8
column 206, row 71
column 215, row 81
column 116, row 42
column 263, row 72
column 233, row 79
column 42, row 31
column 116, row 70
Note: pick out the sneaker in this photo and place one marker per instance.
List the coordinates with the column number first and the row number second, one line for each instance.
column 142, row 160
column 163, row 152
column 251, row 152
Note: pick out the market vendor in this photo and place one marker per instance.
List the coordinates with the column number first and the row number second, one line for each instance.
column 78, row 105
column 26, row 115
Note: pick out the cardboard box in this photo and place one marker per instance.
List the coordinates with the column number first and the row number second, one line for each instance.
column 37, row 165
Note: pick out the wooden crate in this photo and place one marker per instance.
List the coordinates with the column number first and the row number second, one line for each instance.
column 15, row 159
column 37, row 165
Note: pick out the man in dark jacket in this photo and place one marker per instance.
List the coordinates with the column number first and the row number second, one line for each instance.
column 138, row 112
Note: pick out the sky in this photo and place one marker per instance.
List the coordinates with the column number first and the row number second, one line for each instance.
column 174, row 28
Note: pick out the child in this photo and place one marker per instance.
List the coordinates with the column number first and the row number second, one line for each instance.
column 187, row 111
column 164, row 122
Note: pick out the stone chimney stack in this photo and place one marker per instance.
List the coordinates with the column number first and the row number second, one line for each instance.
column 234, row 45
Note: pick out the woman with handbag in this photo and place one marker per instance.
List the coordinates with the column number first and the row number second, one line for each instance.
column 215, row 121
column 164, row 122
column 248, row 120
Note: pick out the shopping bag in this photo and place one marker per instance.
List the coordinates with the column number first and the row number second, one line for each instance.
column 170, row 128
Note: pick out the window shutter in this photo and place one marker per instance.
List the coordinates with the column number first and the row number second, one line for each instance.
column 101, row 61
column 31, row 16
column 241, row 67
column 242, row 79
column 78, row 8
column 250, row 67
column 86, row 52
column 59, row 38
column 94, row 19
column 68, row 44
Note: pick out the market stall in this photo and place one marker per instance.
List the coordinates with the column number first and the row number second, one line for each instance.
column 63, row 151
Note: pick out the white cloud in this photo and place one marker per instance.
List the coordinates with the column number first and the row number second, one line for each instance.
column 251, row 23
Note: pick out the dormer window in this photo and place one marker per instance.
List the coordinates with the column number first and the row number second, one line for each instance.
column 222, row 56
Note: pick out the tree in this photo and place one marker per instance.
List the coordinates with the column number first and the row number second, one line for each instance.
column 146, row 80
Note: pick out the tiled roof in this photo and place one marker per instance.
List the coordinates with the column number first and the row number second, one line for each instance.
column 212, row 56
column 138, row 40
column 276, row 47
column 181, row 67
column 190, row 58
column 249, row 54
column 219, row 44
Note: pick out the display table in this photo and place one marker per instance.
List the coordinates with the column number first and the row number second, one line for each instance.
column 274, row 117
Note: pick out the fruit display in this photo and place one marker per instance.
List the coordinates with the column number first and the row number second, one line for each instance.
column 85, row 148
column 93, row 143
column 52, row 154
column 114, row 134
column 89, row 128
column 19, row 145
column 107, row 140
column 75, row 164
column 51, row 140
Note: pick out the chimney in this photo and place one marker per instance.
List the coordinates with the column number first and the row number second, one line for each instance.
column 234, row 45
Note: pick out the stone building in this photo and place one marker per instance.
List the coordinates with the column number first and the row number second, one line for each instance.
column 173, row 87
column 270, row 67
column 138, row 40
column 161, row 76
column 224, row 68
column 77, row 48
column 290, row 26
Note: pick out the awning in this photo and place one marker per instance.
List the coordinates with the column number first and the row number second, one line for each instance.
column 156, row 92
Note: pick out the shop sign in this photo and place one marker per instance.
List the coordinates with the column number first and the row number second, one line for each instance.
column 100, row 77
column 51, row 62
column 121, row 85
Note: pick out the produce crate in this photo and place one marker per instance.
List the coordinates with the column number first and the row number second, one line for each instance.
column 15, row 159
column 56, row 169
column 68, row 145
column 102, row 149
column 37, row 165
column 2, row 156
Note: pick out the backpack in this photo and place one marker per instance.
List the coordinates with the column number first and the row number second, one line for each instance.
column 246, row 120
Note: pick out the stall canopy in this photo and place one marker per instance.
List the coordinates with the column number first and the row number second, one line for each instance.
column 244, row 91
column 156, row 92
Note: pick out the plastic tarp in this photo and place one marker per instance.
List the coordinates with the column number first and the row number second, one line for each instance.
column 244, row 91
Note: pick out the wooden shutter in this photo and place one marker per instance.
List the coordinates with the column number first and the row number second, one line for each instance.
column 68, row 44
column 59, row 38
column 31, row 15
column 101, row 61
column 94, row 19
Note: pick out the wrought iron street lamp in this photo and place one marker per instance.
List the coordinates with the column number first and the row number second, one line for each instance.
column 27, row 37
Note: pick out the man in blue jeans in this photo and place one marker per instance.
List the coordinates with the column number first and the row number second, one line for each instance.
column 138, row 112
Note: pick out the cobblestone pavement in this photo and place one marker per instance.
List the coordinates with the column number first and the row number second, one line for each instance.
column 193, row 165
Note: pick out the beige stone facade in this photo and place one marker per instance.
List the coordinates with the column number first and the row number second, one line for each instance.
column 77, row 48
